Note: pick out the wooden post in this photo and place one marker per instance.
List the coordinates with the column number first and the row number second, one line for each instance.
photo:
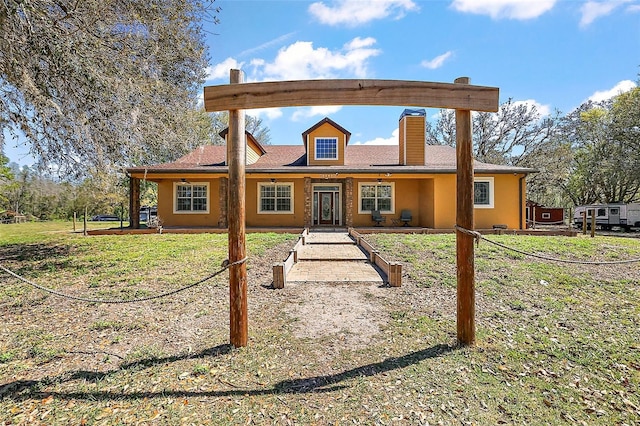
column 464, row 218
column 74, row 222
column 84, row 232
column 584, row 222
column 534, row 218
column 593, row 223
column 134, row 203
column 236, row 158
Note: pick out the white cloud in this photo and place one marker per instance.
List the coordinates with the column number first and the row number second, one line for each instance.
column 543, row 110
column 313, row 111
column 221, row 70
column 392, row 140
column 269, row 113
column 301, row 61
column 621, row 87
column 509, row 9
column 436, row 62
column 357, row 12
column 593, row 10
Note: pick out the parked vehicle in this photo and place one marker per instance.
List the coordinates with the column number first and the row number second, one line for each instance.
column 608, row 216
column 105, row 218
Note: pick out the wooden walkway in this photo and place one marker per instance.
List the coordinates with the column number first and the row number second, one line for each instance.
column 332, row 257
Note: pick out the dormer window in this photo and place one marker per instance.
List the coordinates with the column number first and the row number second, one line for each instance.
column 326, row 148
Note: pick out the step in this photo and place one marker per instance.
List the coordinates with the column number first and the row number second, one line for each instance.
column 332, row 271
column 331, row 252
column 328, row 238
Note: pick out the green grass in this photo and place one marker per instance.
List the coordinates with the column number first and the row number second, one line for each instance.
column 556, row 343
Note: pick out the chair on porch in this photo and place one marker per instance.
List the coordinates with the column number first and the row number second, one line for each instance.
column 405, row 217
column 377, row 217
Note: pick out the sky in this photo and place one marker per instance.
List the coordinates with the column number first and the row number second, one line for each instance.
column 554, row 54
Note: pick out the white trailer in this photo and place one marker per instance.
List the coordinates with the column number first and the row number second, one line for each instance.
column 608, row 216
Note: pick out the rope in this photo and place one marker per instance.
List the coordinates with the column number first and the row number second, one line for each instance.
column 225, row 265
column 478, row 236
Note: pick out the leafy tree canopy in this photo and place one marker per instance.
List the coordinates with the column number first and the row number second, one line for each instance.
column 99, row 83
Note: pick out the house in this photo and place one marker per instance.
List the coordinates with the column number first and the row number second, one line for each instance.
column 537, row 213
column 325, row 181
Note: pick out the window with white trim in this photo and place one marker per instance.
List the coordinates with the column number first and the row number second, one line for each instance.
column 326, row 149
column 191, row 197
column 483, row 193
column 275, row 198
column 376, row 196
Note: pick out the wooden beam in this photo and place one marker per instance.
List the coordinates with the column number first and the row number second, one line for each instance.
column 350, row 92
column 236, row 157
column 464, row 218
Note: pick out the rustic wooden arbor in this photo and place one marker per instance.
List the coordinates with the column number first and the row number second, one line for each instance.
column 238, row 96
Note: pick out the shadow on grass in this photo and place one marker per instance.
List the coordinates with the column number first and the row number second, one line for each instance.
column 29, row 389
column 33, row 252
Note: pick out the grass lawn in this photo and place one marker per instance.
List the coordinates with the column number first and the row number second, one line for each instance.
column 556, row 343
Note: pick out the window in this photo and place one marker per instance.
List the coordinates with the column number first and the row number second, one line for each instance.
column 483, row 193
column 275, row 198
column 191, row 198
column 546, row 215
column 376, row 196
column 326, row 148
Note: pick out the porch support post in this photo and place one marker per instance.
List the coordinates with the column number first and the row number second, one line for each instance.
column 464, row 218
column 348, row 206
column 223, row 194
column 236, row 155
column 134, row 202
column 308, row 203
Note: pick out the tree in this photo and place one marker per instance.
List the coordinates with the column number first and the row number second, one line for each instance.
column 253, row 125
column 517, row 135
column 605, row 141
column 103, row 82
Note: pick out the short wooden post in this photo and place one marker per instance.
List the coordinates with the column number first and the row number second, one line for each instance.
column 584, row 222
column 236, row 157
column 278, row 275
column 534, row 218
column 74, row 221
column 466, row 326
column 593, row 223
column 84, row 232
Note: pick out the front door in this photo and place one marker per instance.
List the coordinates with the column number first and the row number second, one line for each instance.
column 326, row 208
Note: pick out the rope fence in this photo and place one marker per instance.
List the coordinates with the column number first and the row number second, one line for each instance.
column 478, row 236
column 225, row 265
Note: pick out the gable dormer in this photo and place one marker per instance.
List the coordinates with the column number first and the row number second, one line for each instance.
column 254, row 149
column 325, row 143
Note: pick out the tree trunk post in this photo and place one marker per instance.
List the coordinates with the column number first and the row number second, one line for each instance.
column 593, row 223
column 74, row 222
column 584, row 222
column 236, row 157
column 464, row 219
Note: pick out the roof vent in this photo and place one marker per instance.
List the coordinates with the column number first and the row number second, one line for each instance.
column 413, row 112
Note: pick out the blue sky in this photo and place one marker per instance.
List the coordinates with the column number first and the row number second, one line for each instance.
column 555, row 54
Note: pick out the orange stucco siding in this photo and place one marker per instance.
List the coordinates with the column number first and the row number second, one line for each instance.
column 507, row 209
column 254, row 218
column 326, row 130
column 166, row 200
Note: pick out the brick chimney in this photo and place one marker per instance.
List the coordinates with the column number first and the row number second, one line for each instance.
column 412, row 141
